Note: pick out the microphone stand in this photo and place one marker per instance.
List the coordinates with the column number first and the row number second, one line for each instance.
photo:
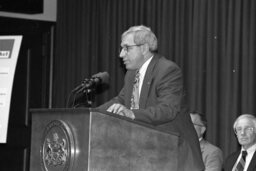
column 88, row 90
column 89, row 93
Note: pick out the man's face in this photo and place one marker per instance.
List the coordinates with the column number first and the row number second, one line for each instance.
column 246, row 133
column 199, row 127
column 131, row 53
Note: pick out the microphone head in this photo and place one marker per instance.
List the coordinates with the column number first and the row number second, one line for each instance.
column 102, row 76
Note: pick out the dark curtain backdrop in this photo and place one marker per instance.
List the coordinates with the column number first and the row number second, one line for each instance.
column 213, row 41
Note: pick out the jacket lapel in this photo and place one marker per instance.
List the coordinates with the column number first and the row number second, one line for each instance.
column 147, row 82
column 232, row 161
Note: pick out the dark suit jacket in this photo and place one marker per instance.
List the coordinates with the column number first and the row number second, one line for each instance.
column 212, row 156
column 160, row 105
column 231, row 160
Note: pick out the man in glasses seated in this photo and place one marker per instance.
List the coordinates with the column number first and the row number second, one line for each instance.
column 245, row 158
column 212, row 155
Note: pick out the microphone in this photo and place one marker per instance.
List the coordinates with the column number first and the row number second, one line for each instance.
column 93, row 82
column 100, row 78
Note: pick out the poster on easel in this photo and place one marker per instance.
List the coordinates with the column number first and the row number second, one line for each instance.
column 9, row 52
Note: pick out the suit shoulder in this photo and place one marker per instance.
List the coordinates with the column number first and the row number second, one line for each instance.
column 165, row 66
column 209, row 149
column 212, row 147
column 232, row 155
column 167, row 62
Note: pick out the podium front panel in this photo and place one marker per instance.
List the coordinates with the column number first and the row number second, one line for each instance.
column 80, row 140
column 120, row 145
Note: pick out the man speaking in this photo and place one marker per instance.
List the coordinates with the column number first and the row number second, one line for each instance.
column 152, row 93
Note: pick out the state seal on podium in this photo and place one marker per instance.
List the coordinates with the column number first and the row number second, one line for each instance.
column 57, row 147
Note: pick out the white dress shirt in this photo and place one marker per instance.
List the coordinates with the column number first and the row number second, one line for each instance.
column 250, row 153
column 142, row 72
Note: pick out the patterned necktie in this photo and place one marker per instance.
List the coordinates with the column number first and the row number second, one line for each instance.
column 241, row 163
column 135, row 92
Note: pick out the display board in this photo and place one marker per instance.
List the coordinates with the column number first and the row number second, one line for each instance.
column 9, row 51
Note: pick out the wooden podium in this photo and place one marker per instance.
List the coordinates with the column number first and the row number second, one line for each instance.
column 86, row 140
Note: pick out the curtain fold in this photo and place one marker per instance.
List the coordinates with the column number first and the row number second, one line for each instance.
column 213, row 41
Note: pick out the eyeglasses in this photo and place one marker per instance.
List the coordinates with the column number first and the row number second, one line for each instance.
column 198, row 124
column 247, row 130
column 126, row 48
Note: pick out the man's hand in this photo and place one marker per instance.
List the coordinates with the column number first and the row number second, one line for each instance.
column 121, row 110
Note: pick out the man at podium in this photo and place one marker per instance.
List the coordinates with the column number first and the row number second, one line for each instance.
column 152, row 93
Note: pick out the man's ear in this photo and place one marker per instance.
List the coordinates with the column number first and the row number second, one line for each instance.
column 145, row 49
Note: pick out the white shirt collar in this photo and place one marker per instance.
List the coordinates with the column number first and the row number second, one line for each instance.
column 142, row 71
column 250, row 150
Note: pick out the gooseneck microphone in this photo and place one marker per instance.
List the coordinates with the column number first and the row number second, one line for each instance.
column 87, row 89
column 93, row 82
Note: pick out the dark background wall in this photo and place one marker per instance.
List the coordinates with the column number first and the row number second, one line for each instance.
column 213, row 41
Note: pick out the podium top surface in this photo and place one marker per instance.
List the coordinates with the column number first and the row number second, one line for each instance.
column 87, row 111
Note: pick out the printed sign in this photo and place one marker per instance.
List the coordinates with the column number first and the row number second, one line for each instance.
column 9, row 51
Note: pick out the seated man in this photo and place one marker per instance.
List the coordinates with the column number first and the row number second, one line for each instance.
column 152, row 93
column 245, row 158
column 212, row 155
